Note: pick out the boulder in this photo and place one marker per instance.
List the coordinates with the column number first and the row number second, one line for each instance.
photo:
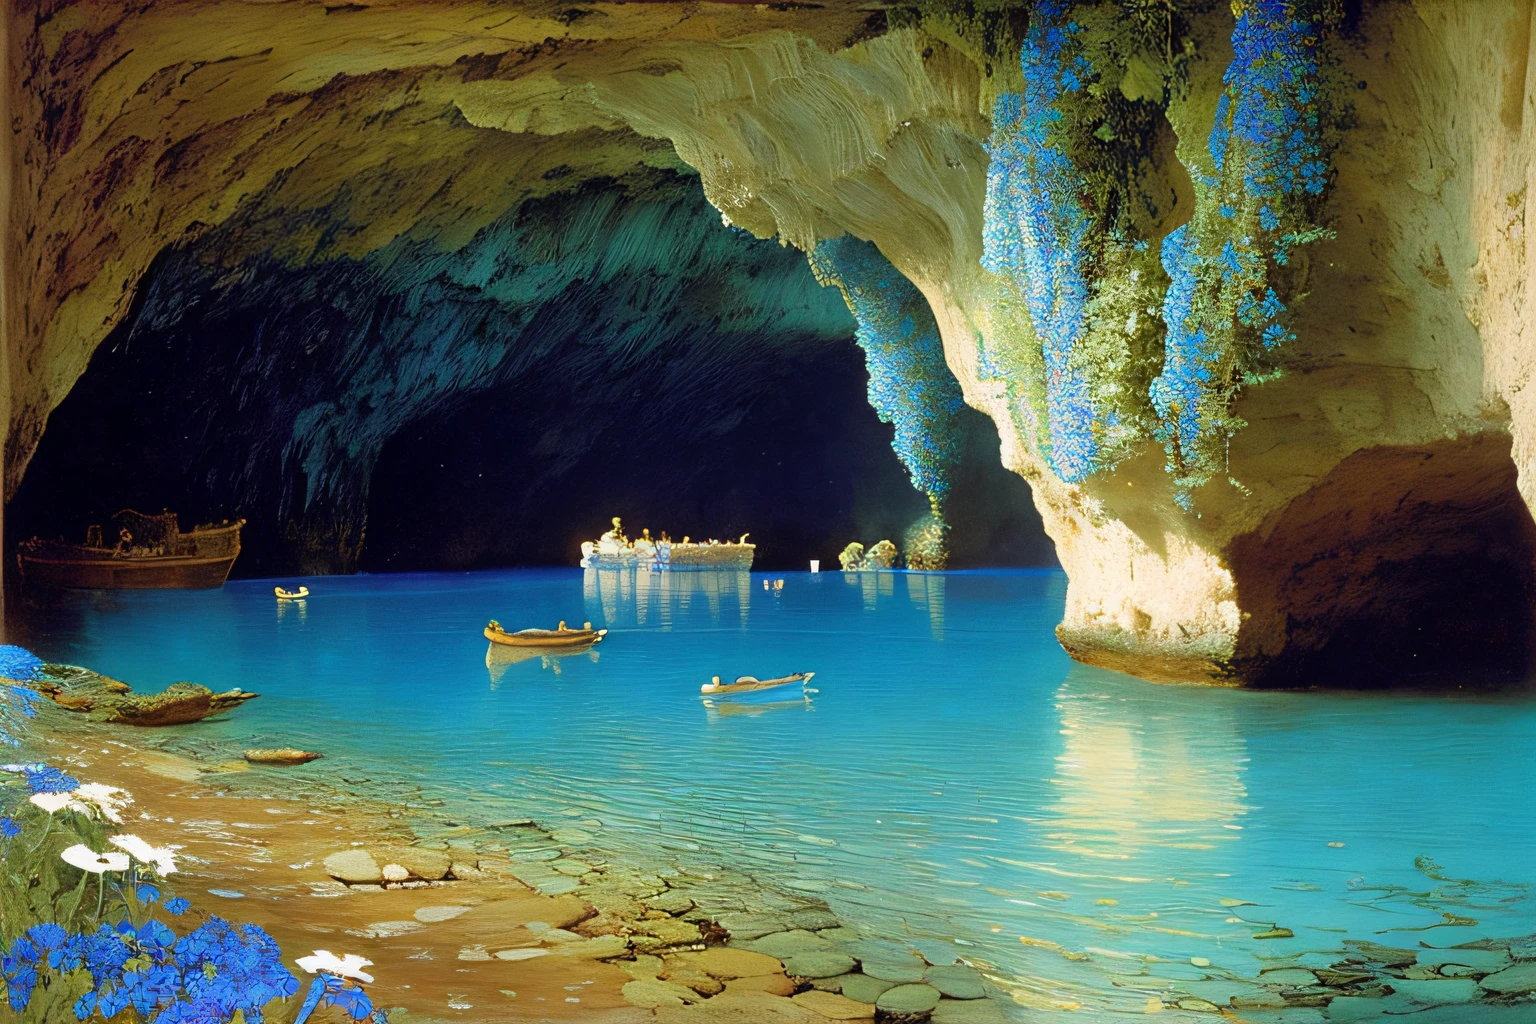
column 355, row 867
column 670, row 902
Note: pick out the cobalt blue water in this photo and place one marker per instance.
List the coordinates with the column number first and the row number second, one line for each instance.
column 956, row 782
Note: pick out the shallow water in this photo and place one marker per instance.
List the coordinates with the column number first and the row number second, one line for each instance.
column 956, row 783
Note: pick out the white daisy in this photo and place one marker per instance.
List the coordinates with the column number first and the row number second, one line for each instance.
column 109, row 799
column 343, row 967
column 162, row 857
column 52, row 802
column 87, row 859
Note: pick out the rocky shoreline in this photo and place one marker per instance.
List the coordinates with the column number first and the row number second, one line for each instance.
column 693, row 939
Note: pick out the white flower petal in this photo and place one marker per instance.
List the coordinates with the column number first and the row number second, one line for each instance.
column 52, row 802
column 87, row 859
column 348, row 966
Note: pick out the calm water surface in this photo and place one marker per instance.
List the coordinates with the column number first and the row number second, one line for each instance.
column 956, row 780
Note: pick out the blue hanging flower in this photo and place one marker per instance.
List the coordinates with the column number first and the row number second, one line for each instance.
column 176, row 906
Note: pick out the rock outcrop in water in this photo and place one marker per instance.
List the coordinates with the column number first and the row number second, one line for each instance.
column 1242, row 288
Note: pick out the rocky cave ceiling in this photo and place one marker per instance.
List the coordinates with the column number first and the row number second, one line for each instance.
column 1241, row 286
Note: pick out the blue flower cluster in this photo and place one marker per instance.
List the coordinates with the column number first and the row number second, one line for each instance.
column 17, row 703
column 205, row 977
column 1271, row 163
column 43, row 778
column 1037, row 230
column 910, row 384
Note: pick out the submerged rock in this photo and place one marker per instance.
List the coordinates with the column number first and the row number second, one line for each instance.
column 1516, row 980
column 834, row 1006
column 355, row 867
column 281, row 755
column 908, row 999
column 956, row 981
column 111, row 700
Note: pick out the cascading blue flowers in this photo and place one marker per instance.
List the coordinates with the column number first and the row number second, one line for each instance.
column 1270, row 157
column 1037, row 229
column 910, row 384
column 18, row 702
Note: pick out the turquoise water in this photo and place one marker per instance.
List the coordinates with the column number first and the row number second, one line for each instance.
column 956, row 783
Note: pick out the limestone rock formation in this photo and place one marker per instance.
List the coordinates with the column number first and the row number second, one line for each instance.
column 111, row 700
column 1242, row 286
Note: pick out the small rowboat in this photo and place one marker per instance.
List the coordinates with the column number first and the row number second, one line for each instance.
column 746, row 684
column 561, row 637
column 291, row 595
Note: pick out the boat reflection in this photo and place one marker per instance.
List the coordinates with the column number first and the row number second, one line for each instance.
column 715, row 709
column 499, row 658
column 624, row 597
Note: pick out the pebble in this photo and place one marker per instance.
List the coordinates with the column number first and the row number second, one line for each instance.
column 772, row 984
column 864, row 989
column 1197, row 1004
column 653, row 994
column 1437, row 993
column 1515, row 980
column 394, row 873
column 956, row 981
column 353, row 867
column 670, row 902
column 1485, row 961
column 1287, row 977
column 432, row 915
column 835, row 1007
column 908, row 999
column 969, row 1011
column 818, row 965
column 899, row 972
column 518, row 954
column 725, row 963
column 744, row 926
column 790, row 943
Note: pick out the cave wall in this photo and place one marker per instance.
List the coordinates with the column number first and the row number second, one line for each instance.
column 1047, row 177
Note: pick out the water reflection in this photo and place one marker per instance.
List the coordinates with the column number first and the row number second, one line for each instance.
column 714, row 709
column 500, row 657
column 1135, row 773
column 926, row 591
column 639, row 597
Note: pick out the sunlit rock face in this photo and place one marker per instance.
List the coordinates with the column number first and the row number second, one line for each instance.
column 1241, row 287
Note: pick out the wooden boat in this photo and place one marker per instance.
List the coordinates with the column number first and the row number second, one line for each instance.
column 152, row 553
column 746, row 684
column 293, row 595
column 561, row 637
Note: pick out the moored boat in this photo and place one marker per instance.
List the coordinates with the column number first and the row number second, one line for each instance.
column 560, row 637
column 615, row 551
column 151, row 554
column 746, row 684
column 291, row 595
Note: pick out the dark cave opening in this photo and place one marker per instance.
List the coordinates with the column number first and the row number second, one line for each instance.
column 495, row 405
column 798, row 460
column 1403, row 567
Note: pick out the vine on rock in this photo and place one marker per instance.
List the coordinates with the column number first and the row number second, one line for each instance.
column 1065, row 224
column 1233, row 267
column 910, row 384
